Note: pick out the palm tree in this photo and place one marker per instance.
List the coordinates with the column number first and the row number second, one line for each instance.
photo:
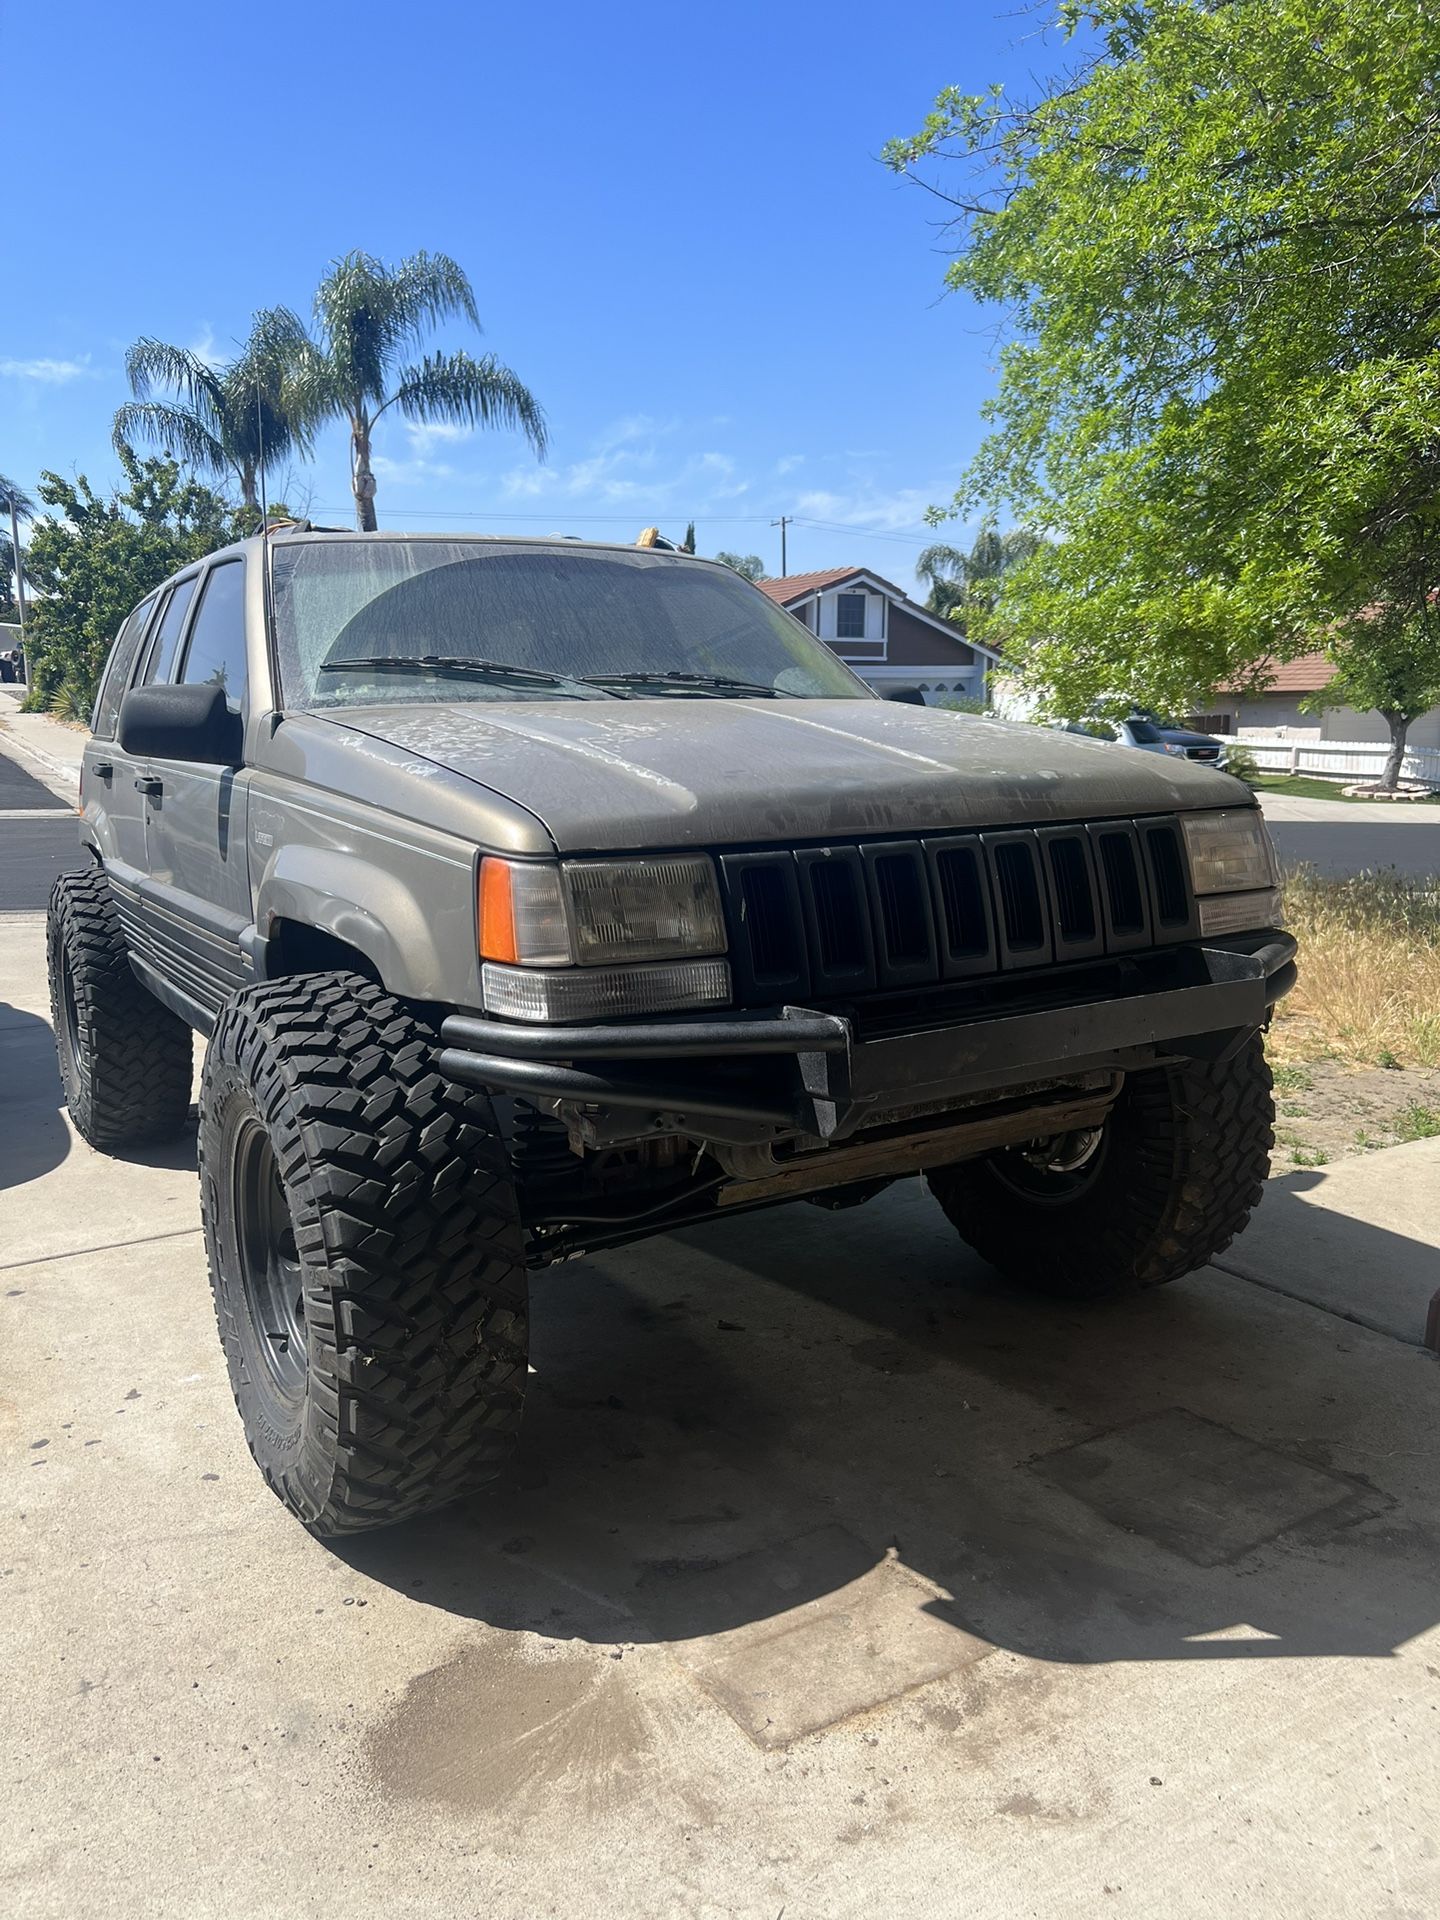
column 15, row 506
column 230, row 419
column 368, row 315
column 962, row 584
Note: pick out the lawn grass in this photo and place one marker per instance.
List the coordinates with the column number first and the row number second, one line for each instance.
column 1304, row 786
column 1369, row 986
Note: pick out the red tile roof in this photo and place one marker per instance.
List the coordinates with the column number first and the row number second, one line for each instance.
column 1307, row 674
column 795, row 586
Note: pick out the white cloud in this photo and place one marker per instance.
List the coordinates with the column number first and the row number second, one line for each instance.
column 899, row 512
column 425, row 434
column 206, row 347
column 52, row 373
column 410, row 472
column 788, row 464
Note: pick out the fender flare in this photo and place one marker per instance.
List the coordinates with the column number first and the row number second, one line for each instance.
column 370, row 909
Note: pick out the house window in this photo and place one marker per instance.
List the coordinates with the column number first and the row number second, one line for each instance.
column 850, row 616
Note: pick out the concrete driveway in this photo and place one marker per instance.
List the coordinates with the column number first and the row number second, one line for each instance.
column 833, row 1581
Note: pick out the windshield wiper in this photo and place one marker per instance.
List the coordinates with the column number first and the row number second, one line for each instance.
column 453, row 663
column 719, row 681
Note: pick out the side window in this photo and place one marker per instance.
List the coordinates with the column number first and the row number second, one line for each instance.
column 117, row 671
column 217, row 638
column 167, row 635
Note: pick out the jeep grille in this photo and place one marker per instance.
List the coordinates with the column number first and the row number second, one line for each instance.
column 891, row 915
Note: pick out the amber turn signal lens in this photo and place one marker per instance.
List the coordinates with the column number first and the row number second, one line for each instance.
column 497, row 911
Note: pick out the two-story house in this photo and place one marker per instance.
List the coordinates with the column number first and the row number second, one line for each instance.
column 887, row 638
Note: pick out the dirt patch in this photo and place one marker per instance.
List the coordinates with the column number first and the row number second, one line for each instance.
column 496, row 1722
column 1326, row 1109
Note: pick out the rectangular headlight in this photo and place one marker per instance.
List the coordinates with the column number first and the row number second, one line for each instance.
column 593, row 993
column 1242, row 912
column 643, row 909
column 597, row 912
column 1230, row 851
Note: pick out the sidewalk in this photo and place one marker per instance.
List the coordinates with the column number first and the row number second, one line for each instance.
column 55, row 748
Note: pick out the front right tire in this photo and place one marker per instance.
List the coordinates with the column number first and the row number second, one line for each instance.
column 1174, row 1175
column 365, row 1254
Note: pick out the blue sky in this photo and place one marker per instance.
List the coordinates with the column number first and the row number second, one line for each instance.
column 674, row 219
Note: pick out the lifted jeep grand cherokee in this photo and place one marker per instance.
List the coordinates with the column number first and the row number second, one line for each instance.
column 539, row 897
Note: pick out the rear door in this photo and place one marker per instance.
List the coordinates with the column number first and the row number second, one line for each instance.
column 113, row 810
column 196, row 826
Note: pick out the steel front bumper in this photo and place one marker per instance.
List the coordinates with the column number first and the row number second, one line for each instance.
column 816, row 1072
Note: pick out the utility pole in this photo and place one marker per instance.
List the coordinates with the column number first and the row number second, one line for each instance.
column 783, row 522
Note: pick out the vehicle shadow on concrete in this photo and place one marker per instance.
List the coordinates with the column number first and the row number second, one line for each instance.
column 727, row 1426
column 37, row 1137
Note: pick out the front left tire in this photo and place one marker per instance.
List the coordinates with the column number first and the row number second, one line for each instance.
column 365, row 1254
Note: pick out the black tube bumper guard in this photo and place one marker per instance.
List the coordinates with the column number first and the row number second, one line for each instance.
column 814, row 1073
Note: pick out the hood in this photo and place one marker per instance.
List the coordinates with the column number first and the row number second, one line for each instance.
column 1183, row 737
column 676, row 773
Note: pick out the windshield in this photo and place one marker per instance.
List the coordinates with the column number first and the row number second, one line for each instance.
column 363, row 622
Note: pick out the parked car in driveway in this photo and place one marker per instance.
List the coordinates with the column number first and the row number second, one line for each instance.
column 1153, row 735
column 537, row 897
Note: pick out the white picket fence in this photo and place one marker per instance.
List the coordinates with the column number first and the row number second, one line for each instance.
column 1341, row 760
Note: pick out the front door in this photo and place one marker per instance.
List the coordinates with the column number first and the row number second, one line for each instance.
column 196, row 815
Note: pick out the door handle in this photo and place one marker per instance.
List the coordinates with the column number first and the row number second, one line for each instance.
column 147, row 783
column 104, row 769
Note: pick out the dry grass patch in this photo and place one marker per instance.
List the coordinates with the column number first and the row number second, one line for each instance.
column 1369, row 987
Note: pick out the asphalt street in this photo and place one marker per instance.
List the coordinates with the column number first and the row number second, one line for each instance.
column 833, row 1579
column 1339, row 836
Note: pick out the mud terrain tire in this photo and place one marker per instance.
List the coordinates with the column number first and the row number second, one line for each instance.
column 1181, row 1165
column 365, row 1254
column 126, row 1060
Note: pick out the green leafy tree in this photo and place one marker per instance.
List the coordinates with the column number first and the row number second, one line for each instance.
column 687, row 545
column 95, row 556
column 234, row 420
column 1217, row 245
column 369, row 317
column 750, row 565
column 1387, row 662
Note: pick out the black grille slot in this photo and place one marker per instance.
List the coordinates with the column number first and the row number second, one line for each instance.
column 772, row 947
column 1074, row 900
column 768, row 948
column 963, row 902
column 1169, row 885
column 1020, row 898
column 1124, row 889
column 904, row 910
column 839, row 921
column 904, row 923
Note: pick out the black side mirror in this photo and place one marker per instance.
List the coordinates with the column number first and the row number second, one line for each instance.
column 908, row 697
column 181, row 723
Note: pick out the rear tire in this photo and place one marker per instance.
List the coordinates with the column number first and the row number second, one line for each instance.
column 127, row 1062
column 1180, row 1166
column 365, row 1254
